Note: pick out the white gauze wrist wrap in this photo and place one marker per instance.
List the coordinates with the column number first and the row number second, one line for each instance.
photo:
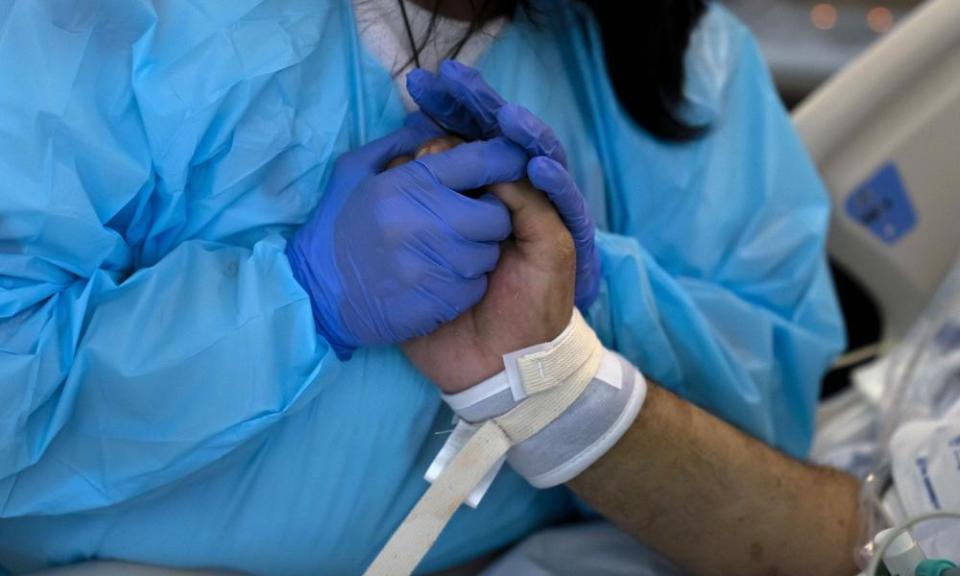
column 578, row 436
column 555, row 409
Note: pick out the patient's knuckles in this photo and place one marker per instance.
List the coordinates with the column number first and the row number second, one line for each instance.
column 522, row 196
column 398, row 161
column 438, row 145
column 432, row 146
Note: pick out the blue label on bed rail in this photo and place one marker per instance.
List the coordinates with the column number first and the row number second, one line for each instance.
column 883, row 205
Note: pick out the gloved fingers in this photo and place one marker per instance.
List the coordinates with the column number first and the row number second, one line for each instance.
column 375, row 155
column 420, row 122
column 588, row 274
column 475, row 164
column 482, row 219
column 554, row 180
column 469, row 259
column 462, row 100
column 522, row 127
column 459, row 98
column 436, row 101
column 445, row 294
column 467, row 85
column 430, row 241
column 459, row 294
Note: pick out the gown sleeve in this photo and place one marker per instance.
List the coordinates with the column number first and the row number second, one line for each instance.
column 133, row 350
column 719, row 286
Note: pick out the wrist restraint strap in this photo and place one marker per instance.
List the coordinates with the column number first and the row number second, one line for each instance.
column 551, row 377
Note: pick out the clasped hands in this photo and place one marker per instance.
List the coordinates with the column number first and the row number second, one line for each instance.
column 459, row 252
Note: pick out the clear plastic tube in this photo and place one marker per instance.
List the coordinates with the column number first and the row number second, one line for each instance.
column 922, row 382
column 874, row 515
column 881, row 549
column 923, row 375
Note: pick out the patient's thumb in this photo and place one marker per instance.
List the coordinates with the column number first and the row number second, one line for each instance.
column 532, row 214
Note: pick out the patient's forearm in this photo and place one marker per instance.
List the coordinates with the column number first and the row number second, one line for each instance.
column 719, row 502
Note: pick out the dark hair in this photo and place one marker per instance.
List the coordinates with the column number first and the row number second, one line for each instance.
column 645, row 61
column 644, row 56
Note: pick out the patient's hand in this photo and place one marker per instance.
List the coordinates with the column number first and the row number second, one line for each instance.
column 529, row 299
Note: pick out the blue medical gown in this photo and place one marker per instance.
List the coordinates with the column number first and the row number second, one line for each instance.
column 163, row 395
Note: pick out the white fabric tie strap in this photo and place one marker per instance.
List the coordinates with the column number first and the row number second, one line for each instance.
column 541, row 367
column 539, row 410
column 422, row 526
column 551, row 377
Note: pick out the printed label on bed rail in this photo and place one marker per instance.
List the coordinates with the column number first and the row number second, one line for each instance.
column 882, row 204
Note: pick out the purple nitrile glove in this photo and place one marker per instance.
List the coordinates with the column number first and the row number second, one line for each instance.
column 391, row 255
column 459, row 99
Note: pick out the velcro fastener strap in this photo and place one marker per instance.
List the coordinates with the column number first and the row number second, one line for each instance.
column 539, row 368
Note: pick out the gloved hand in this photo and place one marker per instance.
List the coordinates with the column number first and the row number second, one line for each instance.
column 523, row 357
column 461, row 101
column 391, row 255
column 529, row 298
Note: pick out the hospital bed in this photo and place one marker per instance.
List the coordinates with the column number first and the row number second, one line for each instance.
column 885, row 135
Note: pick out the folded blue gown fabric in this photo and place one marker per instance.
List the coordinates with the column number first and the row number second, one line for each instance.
column 164, row 397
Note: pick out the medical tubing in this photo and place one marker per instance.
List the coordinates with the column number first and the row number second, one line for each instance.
column 873, row 514
column 878, row 554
